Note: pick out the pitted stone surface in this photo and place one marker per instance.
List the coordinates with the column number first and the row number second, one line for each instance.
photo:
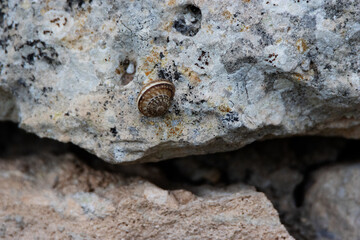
column 243, row 71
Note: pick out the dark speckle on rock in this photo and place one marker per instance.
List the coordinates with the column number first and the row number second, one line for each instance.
column 114, row 131
column 231, row 117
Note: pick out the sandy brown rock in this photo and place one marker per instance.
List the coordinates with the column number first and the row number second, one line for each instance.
column 59, row 197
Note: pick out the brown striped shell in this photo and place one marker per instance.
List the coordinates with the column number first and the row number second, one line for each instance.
column 155, row 98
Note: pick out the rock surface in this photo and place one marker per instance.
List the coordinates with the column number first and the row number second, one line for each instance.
column 332, row 203
column 289, row 171
column 279, row 168
column 243, row 71
column 62, row 198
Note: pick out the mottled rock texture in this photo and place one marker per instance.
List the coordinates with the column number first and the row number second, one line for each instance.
column 46, row 196
column 243, row 71
column 333, row 202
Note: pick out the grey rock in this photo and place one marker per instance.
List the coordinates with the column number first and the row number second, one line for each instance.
column 332, row 203
column 243, row 71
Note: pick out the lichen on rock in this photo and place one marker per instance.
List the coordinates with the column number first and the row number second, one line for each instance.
column 243, row 71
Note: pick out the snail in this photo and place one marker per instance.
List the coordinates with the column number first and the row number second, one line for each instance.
column 155, row 98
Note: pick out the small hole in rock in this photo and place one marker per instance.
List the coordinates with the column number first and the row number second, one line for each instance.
column 126, row 70
column 188, row 20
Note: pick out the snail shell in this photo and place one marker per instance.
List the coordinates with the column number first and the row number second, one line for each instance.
column 155, row 98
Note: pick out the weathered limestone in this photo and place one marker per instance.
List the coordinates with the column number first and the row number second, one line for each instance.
column 243, row 71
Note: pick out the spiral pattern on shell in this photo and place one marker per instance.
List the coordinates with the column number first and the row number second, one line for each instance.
column 155, row 98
